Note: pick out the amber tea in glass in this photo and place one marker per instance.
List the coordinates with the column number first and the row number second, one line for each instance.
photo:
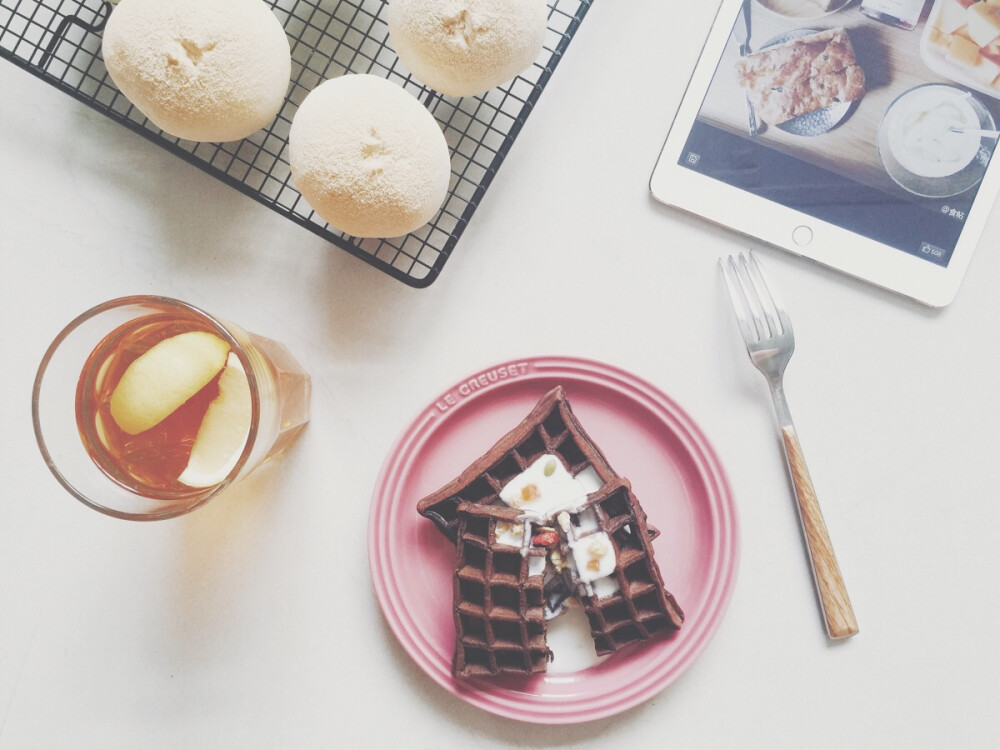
column 147, row 407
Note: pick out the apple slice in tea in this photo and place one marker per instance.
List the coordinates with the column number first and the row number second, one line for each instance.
column 163, row 378
column 224, row 430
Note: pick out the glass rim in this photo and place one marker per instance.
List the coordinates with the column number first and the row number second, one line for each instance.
column 223, row 330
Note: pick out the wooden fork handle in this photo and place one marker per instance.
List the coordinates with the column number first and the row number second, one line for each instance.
column 837, row 611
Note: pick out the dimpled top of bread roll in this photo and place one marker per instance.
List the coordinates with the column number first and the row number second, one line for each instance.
column 368, row 157
column 466, row 47
column 204, row 70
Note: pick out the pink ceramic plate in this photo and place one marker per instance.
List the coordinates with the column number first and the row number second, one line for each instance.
column 647, row 438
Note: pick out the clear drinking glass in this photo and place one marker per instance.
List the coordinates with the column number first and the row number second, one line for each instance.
column 82, row 353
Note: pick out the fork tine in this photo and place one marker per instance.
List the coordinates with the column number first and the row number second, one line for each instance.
column 757, row 290
column 775, row 311
column 753, row 303
column 779, row 307
column 737, row 297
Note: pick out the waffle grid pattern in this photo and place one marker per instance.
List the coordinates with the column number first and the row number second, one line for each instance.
column 642, row 607
column 500, row 611
column 499, row 598
column 59, row 41
column 550, row 428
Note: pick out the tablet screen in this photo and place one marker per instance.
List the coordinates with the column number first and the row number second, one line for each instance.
column 861, row 122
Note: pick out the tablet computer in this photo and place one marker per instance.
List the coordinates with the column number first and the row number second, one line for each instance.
column 843, row 131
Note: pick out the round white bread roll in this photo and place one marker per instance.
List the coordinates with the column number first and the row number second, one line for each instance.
column 368, row 157
column 466, row 47
column 204, row 70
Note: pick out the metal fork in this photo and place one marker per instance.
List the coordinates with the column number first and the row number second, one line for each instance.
column 767, row 330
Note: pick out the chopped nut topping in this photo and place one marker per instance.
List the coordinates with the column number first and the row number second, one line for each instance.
column 564, row 521
column 550, row 467
column 530, row 492
column 594, row 564
column 506, row 527
column 557, row 560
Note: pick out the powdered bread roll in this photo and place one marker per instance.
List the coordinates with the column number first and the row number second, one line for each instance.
column 369, row 158
column 205, row 70
column 466, row 47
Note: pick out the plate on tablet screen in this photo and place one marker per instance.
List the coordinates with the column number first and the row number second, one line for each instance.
column 803, row 9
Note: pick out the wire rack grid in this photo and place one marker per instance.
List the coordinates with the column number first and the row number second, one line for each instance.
column 60, row 41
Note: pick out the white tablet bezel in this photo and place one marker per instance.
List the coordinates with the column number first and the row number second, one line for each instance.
column 770, row 222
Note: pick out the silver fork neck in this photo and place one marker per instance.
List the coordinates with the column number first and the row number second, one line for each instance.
column 781, row 411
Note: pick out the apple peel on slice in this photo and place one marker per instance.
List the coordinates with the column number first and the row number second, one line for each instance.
column 161, row 379
column 224, row 430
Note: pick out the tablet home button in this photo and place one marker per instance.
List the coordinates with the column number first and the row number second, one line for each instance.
column 802, row 235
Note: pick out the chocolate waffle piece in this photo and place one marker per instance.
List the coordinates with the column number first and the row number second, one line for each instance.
column 641, row 607
column 498, row 595
column 545, row 532
column 504, row 570
column 550, row 428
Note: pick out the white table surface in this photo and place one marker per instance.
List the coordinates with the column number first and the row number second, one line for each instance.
column 251, row 623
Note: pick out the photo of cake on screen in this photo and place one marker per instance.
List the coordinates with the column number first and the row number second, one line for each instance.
column 880, row 124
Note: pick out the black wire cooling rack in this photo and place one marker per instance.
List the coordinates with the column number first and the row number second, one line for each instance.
column 60, row 40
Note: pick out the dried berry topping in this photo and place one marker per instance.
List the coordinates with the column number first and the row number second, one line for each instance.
column 545, row 539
